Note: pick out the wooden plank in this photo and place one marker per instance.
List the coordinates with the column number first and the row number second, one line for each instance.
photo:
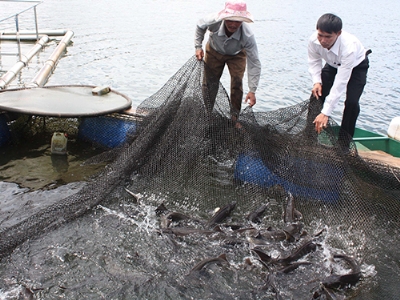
column 381, row 157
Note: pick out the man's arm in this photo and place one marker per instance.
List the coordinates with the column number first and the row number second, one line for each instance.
column 253, row 70
column 339, row 85
column 314, row 68
column 314, row 63
column 201, row 29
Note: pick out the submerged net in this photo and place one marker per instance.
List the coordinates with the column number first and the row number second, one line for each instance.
column 199, row 159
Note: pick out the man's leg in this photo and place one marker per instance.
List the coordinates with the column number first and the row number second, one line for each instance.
column 215, row 64
column 355, row 88
column 237, row 66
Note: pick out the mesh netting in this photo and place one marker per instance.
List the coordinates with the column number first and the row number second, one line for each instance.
column 199, row 159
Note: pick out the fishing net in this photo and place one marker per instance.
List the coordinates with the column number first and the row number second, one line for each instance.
column 196, row 157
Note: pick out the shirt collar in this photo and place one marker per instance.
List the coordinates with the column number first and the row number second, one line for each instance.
column 236, row 35
column 336, row 46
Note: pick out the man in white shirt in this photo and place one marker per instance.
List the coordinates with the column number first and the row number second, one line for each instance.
column 231, row 42
column 346, row 67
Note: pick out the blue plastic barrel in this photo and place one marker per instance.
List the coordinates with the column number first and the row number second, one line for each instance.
column 251, row 169
column 106, row 131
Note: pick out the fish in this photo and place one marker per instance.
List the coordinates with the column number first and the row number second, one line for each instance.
column 270, row 285
column 330, row 294
column 267, row 237
column 264, row 257
column 306, row 248
column 218, row 260
column 174, row 245
column 354, row 265
column 233, row 227
column 161, row 209
column 295, row 229
column 339, row 281
column 291, row 214
column 183, row 231
column 237, row 229
column 136, row 197
column 221, row 214
column 173, row 216
column 293, row 266
column 256, row 215
column 327, row 294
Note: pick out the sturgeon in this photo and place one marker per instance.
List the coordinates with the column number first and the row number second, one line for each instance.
column 221, row 214
column 171, row 217
column 291, row 214
column 338, row 281
column 256, row 215
column 266, row 237
column 300, row 252
column 218, row 260
column 183, row 231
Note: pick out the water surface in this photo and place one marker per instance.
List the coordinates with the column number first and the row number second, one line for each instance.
column 136, row 46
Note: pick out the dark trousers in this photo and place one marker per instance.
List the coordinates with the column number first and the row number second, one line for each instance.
column 355, row 87
column 215, row 66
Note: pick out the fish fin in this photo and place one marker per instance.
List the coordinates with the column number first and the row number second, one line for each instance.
column 135, row 196
column 161, row 209
column 217, row 228
column 258, row 235
column 297, row 215
column 289, row 236
column 318, row 233
column 223, row 256
column 263, row 263
column 303, row 233
column 262, row 255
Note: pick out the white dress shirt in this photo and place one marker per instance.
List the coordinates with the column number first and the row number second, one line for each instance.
column 345, row 54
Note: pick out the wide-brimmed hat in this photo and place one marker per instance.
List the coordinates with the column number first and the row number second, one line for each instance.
column 235, row 11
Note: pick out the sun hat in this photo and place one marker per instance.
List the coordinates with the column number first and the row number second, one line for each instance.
column 235, row 11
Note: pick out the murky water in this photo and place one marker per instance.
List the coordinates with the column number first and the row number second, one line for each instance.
column 135, row 47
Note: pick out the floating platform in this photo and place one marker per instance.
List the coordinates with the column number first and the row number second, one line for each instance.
column 63, row 101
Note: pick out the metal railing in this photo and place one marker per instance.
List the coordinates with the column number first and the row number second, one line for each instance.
column 41, row 39
column 17, row 27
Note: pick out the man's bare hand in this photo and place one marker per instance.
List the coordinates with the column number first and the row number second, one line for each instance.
column 317, row 90
column 199, row 54
column 250, row 98
column 321, row 121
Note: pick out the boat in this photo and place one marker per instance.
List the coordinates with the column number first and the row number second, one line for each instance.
column 367, row 141
column 377, row 147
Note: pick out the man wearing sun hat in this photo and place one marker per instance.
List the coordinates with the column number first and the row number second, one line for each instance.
column 232, row 43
